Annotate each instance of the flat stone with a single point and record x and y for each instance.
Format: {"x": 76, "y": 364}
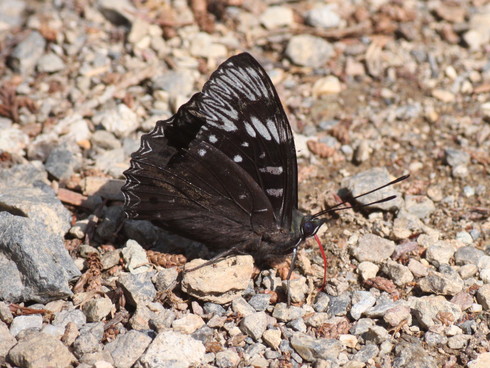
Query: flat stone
{"x": 97, "y": 309}
{"x": 373, "y": 248}
{"x": 310, "y": 51}
{"x": 188, "y": 324}
{"x": 21, "y": 323}
{"x": 173, "y": 349}
{"x": 397, "y": 272}
{"x": 220, "y": 282}
{"x": 483, "y": 296}
{"x": 368, "y": 180}
{"x": 254, "y": 324}
{"x": 276, "y": 17}
{"x": 42, "y": 268}
{"x": 50, "y": 63}
{"x": 127, "y": 348}
{"x": 427, "y": 308}
{"x": 26, "y": 54}
{"x": 311, "y": 349}
{"x": 41, "y": 350}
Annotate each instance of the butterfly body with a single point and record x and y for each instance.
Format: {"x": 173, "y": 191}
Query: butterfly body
{"x": 223, "y": 169}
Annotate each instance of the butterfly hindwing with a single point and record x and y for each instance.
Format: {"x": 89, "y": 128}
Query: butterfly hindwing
{"x": 223, "y": 169}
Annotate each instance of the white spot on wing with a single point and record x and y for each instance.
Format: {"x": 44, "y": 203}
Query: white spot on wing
{"x": 272, "y": 128}
{"x": 213, "y": 139}
{"x": 201, "y": 152}
{"x": 273, "y": 170}
{"x": 275, "y": 192}
{"x": 237, "y": 158}
{"x": 250, "y": 130}
{"x": 261, "y": 129}
{"x": 245, "y": 144}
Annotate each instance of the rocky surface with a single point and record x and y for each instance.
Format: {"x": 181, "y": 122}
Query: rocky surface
{"x": 373, "y": 90}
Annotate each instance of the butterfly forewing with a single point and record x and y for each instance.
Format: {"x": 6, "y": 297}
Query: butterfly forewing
{"x": 222, "y": 170}
{"x": 246, "y": 121}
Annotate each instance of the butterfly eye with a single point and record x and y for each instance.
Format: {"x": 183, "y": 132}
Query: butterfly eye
{"x": 308, "y": 229}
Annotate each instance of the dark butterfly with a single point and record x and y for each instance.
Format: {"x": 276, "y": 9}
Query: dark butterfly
{"x": 223, "y": 169}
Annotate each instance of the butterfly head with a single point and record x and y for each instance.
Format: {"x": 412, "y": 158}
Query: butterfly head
{"x": 310, "y": 226}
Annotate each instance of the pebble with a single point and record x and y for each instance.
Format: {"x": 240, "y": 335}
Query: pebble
{"x": 440, "y": 253}
{"x": 50, "y": 63}
{"x": 323, "y": 16}
{"x": 233, "y": 273}
{"x": 368, "y": 180}
{"x": 419, "y": 206}
{"x": 188, "y": 324}
{"x": 373, "y": 248}
{"x": 367, "y": 270}
{"x": 361, "y": 302}
{"x": 399, "y": 273}
{"x": 272, "y": 337}
{"x": 97, "y": 309}
{"x": 254, "y": 325}
{"x": 40, "y": 350}
{"x": 311, "y": 349}
{"x": 309, "y": 51}
{"x": 26, "y": 54}
{"x": 426, "y": 309}
{"x": 483, "y": 296}
{"x": 170, "y": 348}
{"x": 276, "y": 17}
{"x": 326, "y": 86}
{"x": 127, "y": 348}
{"x": 446, "y": 282}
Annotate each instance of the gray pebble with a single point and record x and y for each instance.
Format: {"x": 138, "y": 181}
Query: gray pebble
{"x": 50, "y": 63}
{"x": 373, "y": 248}
{"x": 310, "y": 51}
{"x": 27, "y": 53}
{"x": 254, "y": 324}
{"x": 323, "y": 17}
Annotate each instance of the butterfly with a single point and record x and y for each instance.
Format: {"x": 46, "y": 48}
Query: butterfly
{"x": 223, "y": 170}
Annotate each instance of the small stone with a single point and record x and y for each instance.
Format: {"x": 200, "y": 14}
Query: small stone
{"x": 483, "y": 296}
{"x": 456, "y": 157}
{"x": 50, "y": 63}
{"x": 338, "y": 305}
{"x": 323, "y": 16}
{"x": 367, "y": 270}
{"x": 468, "y": 271}
{"x": 468, "y": 255}
{"x": 446, "y": 282}
{"x": 397, "y": 272}
{"x": 97, "y": 309}
{"x": 464, "y": 237}
{"x": 297, "y": 289}
{"x": 417, "y": 268}
{"x": 361, "y": 302}
{"x": 376, "y": 334}
{"x": 440, "y": 253}
{"x": 368, "y": 180}
{"x": 326, "y": 86}
{"x": 254, "y": 324}
{"x": 62, "y": 162}
{"x": 127, "y": 348}
{"x": 227, "y": 359}
{"x": 311, "y": 349}
{"x": 396, "y": 315}
{"x": 27, "y": 53}
{"x": 284, "y": 313}
{"x": 272, "y": 338}
{"x": 366, "y": 353}
{"x": 443, "y": 95}
{"x": 13, "y": 140}
{"x": 349, "y": 341}
{"x": 419, "y": 206}
{"x": 188, "y": 324}
{"x": 276, "y": 17}
{"x": 260, "y": 302}
{"x": 138, "y": 288}
{"x": 310, "y": 51}
{"x": 21, "y": 323}
{"x": 41, "y": 350}
{"x": 481, "y": 361}
{"x": 458, "y": 342}
{"x": 463, "y": 299}
{"x": 135, "y": 257}
{"x": 234, "y": 274}
{"x": 204, "y": 45}
{"x": 173, "y": 349}
{"x": 165, "y": 278}
{"x": 373, "y": 248}
{"x": 427, "y": 309}
{"x": 121, "y": 120}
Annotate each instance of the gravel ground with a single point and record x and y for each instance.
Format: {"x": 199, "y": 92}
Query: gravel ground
{"x": 373, "y": 90}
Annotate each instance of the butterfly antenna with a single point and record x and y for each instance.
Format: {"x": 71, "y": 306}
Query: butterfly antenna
{"x": 338, "y": 208}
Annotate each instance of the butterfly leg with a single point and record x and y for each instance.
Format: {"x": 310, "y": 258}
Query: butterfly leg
{"x": 288, "y": 279}
{"x": 217, "y": 258}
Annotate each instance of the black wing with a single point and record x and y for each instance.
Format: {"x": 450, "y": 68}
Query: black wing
{"x": 224, "y": 163}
